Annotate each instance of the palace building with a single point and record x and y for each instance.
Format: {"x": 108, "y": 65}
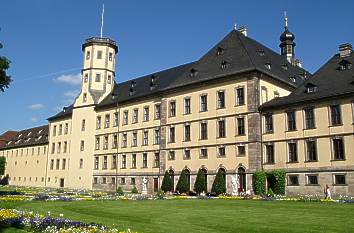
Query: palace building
{"x": 241, "y": 107}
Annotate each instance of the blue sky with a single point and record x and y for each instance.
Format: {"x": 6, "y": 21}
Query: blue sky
{"x": 43, "y": 41}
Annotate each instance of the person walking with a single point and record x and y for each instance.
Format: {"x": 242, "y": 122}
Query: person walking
{"x": 327, "y": 192}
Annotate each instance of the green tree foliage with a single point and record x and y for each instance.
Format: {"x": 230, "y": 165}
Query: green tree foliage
{"x": 120, "y": 191}
{"x": 134, "y": 190}
{"x": 2, "y": 165}
{"x": 166, "y": 185}
{"x": 5, "y": 79}
{"x": 279, "y": 177}
{"x": 200, "y": 184}
{"x": 259, "y": 182}
{"x": 219, "y": 184}
{"x": 182, "y": 184}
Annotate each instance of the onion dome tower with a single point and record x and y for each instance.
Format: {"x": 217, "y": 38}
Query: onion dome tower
{"x": 287, "y": 44}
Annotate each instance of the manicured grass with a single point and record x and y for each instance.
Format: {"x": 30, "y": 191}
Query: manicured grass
{"x": 184, "y": 216}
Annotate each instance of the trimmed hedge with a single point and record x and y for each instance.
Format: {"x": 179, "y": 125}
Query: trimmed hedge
{"x": 2, "y": 165}
{"x": 166, "y": 185}
{"x": 200, "y": 184}
{"x": 259, "y": 182}
{"x": 219, "y": 185}
{"x": 182, "y": 184}
{"x": 279, "y": 177}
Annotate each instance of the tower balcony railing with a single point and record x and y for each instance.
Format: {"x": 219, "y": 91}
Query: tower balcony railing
{"x": 100, "y": 39}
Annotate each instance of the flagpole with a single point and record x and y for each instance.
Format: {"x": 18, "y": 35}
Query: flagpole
{"x": 102, "y": 20}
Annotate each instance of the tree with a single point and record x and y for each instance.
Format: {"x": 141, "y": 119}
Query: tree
{"x": 219, "y": 185}
{"x": 200, "y": 184}
{"x": 166, "y": 185}
{"x": 182, "y": 184}
{"x": 2, "y": 165}
{"x": 259, "y": 182}
{"x": 5, "y": 79}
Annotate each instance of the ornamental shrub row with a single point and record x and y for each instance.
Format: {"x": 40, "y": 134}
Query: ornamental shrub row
{"x": 276, "y": 179}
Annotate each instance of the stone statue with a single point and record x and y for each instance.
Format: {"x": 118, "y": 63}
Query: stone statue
{"x": 144, "y": 183}
{"x": 235, "y": 184}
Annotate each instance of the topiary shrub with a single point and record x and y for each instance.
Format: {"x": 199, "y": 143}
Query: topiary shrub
{"x": 279, "y": 177}
{"x": 259, "y": 182}
{"x": 160, "y": 194}
{"x": 200, "y": 184}
{"x": 134, "y": 190}
{"x": 2, "y": 165}
{"x": 4, "y": 180}
{"x": 182, "y": 184}
{"x": 166, "y": 185}
{"x": 120, "y": 191}
{"x": 219, "y": 185}
{"x": 270, "y": 192}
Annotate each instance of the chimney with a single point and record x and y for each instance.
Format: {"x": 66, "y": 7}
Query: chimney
{"x": 345, "y": 50}
{"x": 243, "y": 30}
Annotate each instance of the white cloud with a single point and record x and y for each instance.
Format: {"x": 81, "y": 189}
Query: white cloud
{"x": 36, "y": 106}
{"x": 34, "y": 119}
{"x": 72, "y": 79}
{"x": 72, "y": 94}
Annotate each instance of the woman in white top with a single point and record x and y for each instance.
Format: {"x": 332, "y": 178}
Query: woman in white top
{"x": 327, "y": 192}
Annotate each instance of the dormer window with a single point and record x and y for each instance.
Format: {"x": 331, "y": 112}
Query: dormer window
{"x": 193, "y": 72}
{"x": 28, "y": 139}
{"x": 284, "y": 66}
{"x": 293, "y": 79}
{"x": 219, "y": 51}
{"x": 20, "y": 135}
{"x": 64, "y": 110}
{"x": 268, "y": 65}
{"x": 153, "y": 81}
{"x": 29, "y": 134}
{"x": 261, "y": 53}
{"x": 311, "y": 88}
{"x": 132, "y": 88}
{"x": 344, "y": 65}
{"x": 224, "y": 65}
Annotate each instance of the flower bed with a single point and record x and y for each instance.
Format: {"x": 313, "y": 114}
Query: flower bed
{"x": 47, "y": 224}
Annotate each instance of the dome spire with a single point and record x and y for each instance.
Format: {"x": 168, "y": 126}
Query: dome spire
{"x": 287, "y": 44}
{"x": 285, "y": 20}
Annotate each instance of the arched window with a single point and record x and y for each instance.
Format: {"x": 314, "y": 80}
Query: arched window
{"x": 242, "y": 176}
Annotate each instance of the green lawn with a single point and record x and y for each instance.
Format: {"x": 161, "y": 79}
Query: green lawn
{"x": 186, "y": 216}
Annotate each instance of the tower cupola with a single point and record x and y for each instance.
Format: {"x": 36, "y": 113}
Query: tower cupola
{"x": 287, "y": 44}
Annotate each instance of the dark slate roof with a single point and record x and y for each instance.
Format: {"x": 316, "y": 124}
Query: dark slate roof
{"x": 330, "y": 82}
{"x": 238, "y": 53}
{"x": 28, "y": 137}
{"x": 66, "y": 112}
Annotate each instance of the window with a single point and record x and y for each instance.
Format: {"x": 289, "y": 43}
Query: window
{"x": 116, "y": 119}
{"x": 204, "y": 153}
{"x": 98, "y": 122}
{"x": 203, "y": 131}
{"x": 311, "y": 150}
{"x": 54, "y": 130}
{"x": 105, "y": 161}
{"x": 107, "y": 121}
{"x": 268, "y": 123}
{"x": 133, "y": 160}
{"x": 124, "y": 161}
{"x": 110, "y": 56}
{"x": 98, "y": 77}
{"x": 99, "y": 54}
{"x": 86, "y": 78}
{"x": 104, "y": 180}
{"x": 145, "y": 161}
{"x": 338, "y": 149}
{"x": 187, "y": 105}
{"x": 312, "y": 179}
{"x": 240, "y": 126}
{"x": 53, "y": 149}
{"x": 221, "y": 99}
{"x": 63, "y": 165}
{"x": 336, "y": 118}
{"x": 187, "y": 132}
{"x": 172, "y": 108}
{"x": 109, "y": 79}
{"x": 171, "y": 155}
{"x": 339, "y": 179}
{"x": 157, "y": 111}
{"x": 292, "y": 152}
{"x": 221, "y": 129}
{"x": 132, "y": 181}
{"x": 145, "y": 137}
{"x": 60, "y": 129}
{"x": 122, "y": 180}
{"x": 125, "y": 117}
{"x": 88, "y": 55}
{"x": 113, "y": 180}
{"x": 115, "y": 141}
{"x": 83, "y": 125}
{"x": 97, "y": 145}
{"x": 276, "y": 94}
{"x": 157, "y": 136}
{"x": 51, "y": 164}
{"x": 221, "y": 151}
{"x": 81, "y": 163}
{"x": 172, "y": 134}
{"x": 66, "y": 128}
{"x": 241, "y": 150}
{"x": 105, "y": 142}
{"x": 293, "y": 180}
{"x": 124, "y": 139}
{"x": 58, "y": 148}
{"x": 82, "y": 145}
{"x": 57, "y": 164}
{"x": 291, "y": 120}
{"x": 157, "y": 159}
{"x": 269, "y": 154}
{"x": 84, "y": 98}
{"x": 65, "y": 147}
{"x": 146, "y": 113}
{"x": 135, "y": 115}
{"x": 203, "y": 103}
{"x": 95, "y": 180}
{"x": 134, "y": 139}
{"x": 114, "y": 162}
{"x": 187, "y": 154}
{"x": 240, "y": 96}
{"x": 309, "y": 118}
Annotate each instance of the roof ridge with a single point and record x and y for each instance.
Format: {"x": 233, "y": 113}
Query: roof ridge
{"x": 244, "y": 47}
